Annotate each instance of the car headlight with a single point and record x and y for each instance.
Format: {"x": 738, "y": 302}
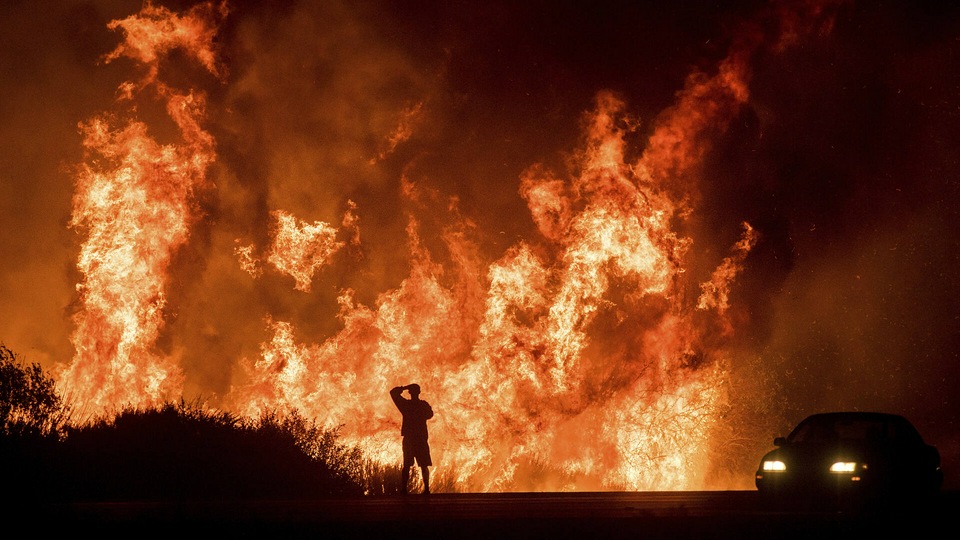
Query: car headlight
{"x": 844, "y": 467}
{"x": 774, "y": 466}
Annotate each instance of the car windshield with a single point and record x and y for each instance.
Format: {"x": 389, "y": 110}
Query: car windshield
{"x": 831, "y": 428}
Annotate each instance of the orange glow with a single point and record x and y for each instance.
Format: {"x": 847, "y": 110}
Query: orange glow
{"x": 135, "y": 203}
{"x": 156, "y": 31}
{"x": 300, "y": 249}
{"x": 527, "y": 379}
{"x": 574, "y": 360}
{"x": 716, "y": 292}
{"x": 404, "y": 130}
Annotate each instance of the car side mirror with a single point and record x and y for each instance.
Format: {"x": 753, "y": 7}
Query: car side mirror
{"x": 779, "y": 441}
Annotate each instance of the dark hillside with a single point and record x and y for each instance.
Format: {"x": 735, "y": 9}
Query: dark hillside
{"x": 181, "y": 452}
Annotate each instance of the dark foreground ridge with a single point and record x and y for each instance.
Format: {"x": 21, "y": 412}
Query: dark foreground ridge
{"x": 710, "y": 514}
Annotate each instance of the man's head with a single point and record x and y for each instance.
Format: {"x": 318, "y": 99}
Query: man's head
{"x": 414, "y": 390}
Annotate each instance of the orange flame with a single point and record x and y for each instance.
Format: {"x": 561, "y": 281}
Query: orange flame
{"x": 520, "y": 374}
{"x": 574, "y": 361}
{"x": 716, "y": 292}
{"x": 155, "y": 31}
{"x": 404, "y": 130}
{"x": 300, "y": 248}
{"x": 136, "y": 206}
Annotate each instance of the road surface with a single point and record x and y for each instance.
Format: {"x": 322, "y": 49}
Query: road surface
{"x": 704, "y": 514}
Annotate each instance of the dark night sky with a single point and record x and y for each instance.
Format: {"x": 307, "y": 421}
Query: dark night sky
{"x": 845, "y": 158}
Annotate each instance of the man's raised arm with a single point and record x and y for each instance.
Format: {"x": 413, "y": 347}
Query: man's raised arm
{"x": 395, "y": 394}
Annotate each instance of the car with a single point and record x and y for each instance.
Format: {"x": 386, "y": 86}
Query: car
{"x": 850, "y": 457}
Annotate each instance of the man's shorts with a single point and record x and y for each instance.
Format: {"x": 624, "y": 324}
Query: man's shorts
{"x": 416, "y": 450}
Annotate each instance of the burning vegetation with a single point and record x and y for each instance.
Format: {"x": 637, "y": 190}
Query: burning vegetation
{"x": 594, "y": 353}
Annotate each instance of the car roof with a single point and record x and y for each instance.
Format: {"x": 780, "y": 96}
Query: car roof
{"x": 856, "y": 415}
{"x": 904, "y": 428}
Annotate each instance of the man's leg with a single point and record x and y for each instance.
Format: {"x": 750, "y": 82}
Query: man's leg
{"x": 404, "y": 479}
{"x": 425, "y": 471}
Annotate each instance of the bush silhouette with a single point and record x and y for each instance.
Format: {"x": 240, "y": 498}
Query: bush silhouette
{"x": 29, "y": 403}
{"x": 32, "y": 416}
{"x": 180, "y": 451}
{"x": 176, "y": 451}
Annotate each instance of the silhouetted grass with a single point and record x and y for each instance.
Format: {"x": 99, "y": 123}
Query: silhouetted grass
{"x": 176, "y": 451}
{"x": 181, "y": 451}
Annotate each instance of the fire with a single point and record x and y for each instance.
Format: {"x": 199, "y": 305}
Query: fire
{"x": 404, "y": 130}
{"x": 534, "y": 384}
{"x": 299, "y": 248}
{"x": 135, "y": 201}
{"x": 716, "y": 292}
{"x": 156, "y": 31}
{"x": 575, "y": 360}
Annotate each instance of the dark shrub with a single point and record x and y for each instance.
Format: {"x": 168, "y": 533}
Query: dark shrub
{"x": 182, "y": 451}
{"x": 32, "y": 416}
{"x": 173, "y": 452}
{"x": 29, "y": 403}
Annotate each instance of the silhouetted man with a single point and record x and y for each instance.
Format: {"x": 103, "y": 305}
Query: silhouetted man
{"x": 415, "y": 413}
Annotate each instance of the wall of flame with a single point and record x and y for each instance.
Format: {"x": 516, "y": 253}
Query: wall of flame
{"x": 270, "y": 214}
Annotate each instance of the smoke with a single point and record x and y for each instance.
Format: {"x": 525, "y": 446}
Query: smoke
{"x": 46, "y": 90}
{"x": 417, "y": 139}
{"x": 842, "y": 160}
